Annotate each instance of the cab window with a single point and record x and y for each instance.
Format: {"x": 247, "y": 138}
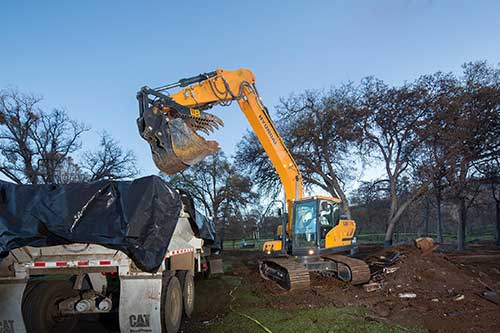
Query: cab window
{"x": 305, "y": 224}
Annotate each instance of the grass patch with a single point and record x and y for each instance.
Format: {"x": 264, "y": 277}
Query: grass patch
{"x": 244, "y": 295}
{"x": 327, "y": 319}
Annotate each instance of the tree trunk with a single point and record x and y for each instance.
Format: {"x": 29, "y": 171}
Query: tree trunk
{"x": 462, "y": 225}
{"x": 344, "y": 204}
{"x": 440, "y": 238}
{"x": 426, "y": 217}
{"x": 346, "y": 210}
{"x": 497, "y": 211}
{"x": 389, "y": 233}
{"x": 497, "y": 205}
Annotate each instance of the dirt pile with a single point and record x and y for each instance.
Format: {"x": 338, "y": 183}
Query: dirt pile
{"x": 432, "y": 276}
{"x": 430, "y": 290}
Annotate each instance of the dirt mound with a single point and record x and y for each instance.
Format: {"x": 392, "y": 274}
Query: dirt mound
{"x": 429, "y": 290}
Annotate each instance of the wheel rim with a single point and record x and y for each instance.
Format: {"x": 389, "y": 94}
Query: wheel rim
{"x": 176, "y": 301}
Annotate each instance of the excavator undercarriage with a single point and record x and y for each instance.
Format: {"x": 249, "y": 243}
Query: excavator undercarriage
{"x": 292, "y": 275}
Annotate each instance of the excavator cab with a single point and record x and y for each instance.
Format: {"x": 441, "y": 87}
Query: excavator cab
{"x": 318, "y": 227}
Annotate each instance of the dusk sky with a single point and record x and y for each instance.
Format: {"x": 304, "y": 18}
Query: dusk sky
{"x": 91, "y": 57}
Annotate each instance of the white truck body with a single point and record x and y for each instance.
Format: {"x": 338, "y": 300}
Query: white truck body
{"x": 140, "y": 292}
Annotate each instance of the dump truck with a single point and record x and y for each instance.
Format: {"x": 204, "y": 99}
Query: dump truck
{"x": 66, "y": 261}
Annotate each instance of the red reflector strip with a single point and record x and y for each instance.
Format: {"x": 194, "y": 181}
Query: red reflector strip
{"x": 39, "y": 264}
{"x": 61, "y": 263}
{"x": 83, "y": 263}
{"x": 180, "y": 251}
{"x": 105, "y": 262}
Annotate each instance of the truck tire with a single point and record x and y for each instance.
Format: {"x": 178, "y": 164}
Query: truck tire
{"x": 40, "y": 311}
{"x": 171, "y": 304}
{"x": 187, "y": 283}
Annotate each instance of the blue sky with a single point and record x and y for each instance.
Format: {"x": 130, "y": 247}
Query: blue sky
{"x": 91, "y": 57}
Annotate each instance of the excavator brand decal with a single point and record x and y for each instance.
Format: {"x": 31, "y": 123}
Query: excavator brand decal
{"x": 273, "y": 139}
{"x": 140, "y": 320}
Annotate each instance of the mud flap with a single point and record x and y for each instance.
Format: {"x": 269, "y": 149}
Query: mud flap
{"x": 144, "y": 315}
{"x": 216, "y": 266}
{"x": 11, "y": 298}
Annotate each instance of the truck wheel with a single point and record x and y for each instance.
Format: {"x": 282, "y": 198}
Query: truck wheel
{"x": 187, "y": 283}
{"x": 40, "y": 310}
{"x": 171, "y": 305}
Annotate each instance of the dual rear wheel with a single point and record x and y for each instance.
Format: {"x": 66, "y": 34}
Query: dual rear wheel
{"x": 177, "y": 299}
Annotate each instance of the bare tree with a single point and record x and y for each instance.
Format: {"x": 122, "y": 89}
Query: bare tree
{"x": 110, "y": 161}
{"x": 317, "y": 128}
{"x": 473, "y": 135}
{"x": 70, "y": 172}
{"x": 464, "y": 131}
{"x": 34, "y": 144}
{"x": 491, "y": 172}
{"x": 392, "y": 121}
{"x": 215, "y": 184}
{"x": 441, "y": 90}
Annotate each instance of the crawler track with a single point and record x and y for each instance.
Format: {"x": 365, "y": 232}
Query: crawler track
{"x": 289, "y": 274}
{"x": 350, "y": 269}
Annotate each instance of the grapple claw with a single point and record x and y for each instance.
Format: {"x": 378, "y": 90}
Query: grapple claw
{"x": 174, "y": 143}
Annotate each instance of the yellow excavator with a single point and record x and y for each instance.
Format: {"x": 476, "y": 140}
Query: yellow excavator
{"x": 313, "y": 231}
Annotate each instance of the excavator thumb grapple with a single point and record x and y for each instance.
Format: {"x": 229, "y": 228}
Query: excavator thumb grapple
{"x": 171, "y": 131}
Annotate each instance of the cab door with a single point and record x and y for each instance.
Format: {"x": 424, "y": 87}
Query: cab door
{"x": 329, "y": 216}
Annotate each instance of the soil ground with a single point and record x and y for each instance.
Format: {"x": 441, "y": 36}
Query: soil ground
{"x": 447, "y": 285}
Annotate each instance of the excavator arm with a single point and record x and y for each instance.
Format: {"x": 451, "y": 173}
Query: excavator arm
{"x": 171, "y": 122}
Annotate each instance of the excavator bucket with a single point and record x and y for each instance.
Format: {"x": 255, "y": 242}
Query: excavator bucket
{"x": 174, "y": 143}
{"x": 175, "y": 147}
